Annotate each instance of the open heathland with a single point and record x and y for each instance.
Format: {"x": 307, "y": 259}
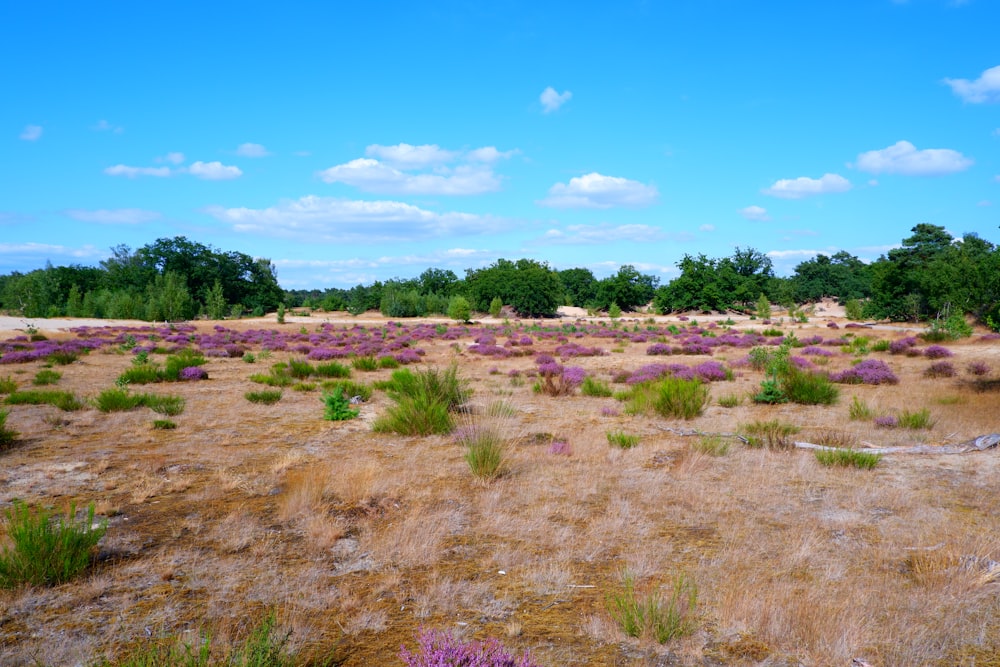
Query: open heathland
{"x": 709, "y": 540}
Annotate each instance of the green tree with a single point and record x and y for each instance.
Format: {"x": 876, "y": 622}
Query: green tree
{"x": 459, "y": 309}
{"x": 579, "y": 286}
{"x": 628, "y": 288}
{"x": 531, "y": 288}
{"x": 168, "y": 298}
{"x": 215, "y": 302}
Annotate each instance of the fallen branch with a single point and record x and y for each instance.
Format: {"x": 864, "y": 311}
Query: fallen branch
{"x": 979, "y": 444}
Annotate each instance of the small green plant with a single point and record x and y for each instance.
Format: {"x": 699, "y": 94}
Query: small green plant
{"x": 860, "y": 410}
{"x": 337, "y": 406}
{"x": 847, "y": 458}
{"x": 180, "y": 360}
{"x": 881, "y": 345}
{"x": 163, "y": 425}
{"x": 300, "y": 369}
{"x": 663, "y": 620}
{"x": 164, "y": 405}
{"x": 484, "y": 452}
{"x": 763, "y": 307}
{"x": 772, "y": 434}
{"x": 364, "y": 364}
{"x": 281, "y": 313}
{"x": 854, "y": 309}
{"x": 388, "y": 362}
{"x": 46, "y": 377}
{"x": 8, "y": 385}
{"x": 63, "y": 357}
{"x": 680, "y": 399}
{"x": 63, "y": 400}
{"x": 46, "y": 552}
{"x": 459, "y": 309}
{"x": 303, "y": 386}
{"x": 808, "y": 388}
{"x": 713, "y": 445}
{"x": 264, "y": 397}
{"x": 142, "y": 374}
{"x": 770, "y": 393}
{"x": 917, "y": 419}
{"x": 350, "y": 388}
{"x": 7, "y": 436}
{"x": 614, "y": 311}
{"x": 118, "y": 400}
{"x": 593, "y": 387}
{"x": 729, "y": 400}
{"x": 249, "y": 357}
{"x": 128, "y": 343}
{"x": 622, "y": 440}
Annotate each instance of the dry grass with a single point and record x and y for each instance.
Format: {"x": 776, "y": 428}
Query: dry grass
{"x": 357, "y": 539}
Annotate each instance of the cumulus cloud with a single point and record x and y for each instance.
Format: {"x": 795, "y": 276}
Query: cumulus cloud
{"x": 172, "y": 158}
{"x": 985, "y": 89}
{"x": 214, "y": 171}
{"x": 603, "y": 233}
{"x": 707, "y": 228}
{"x": 551, "y": 100}
{"x": 252, "y": 150}
{"x": 490, "y": 154}
{"x": 803, "y": 186}
{"x": 31, "y": 133}
{"x": 598, "y": 191}
{"x": 46, "y": 249}
{"x": 117, "y": 216}
{"x": 904, "y": 158}
{"x": 135, "y": 172}
{"x": 757, "y": 213}
{"x": 329, "y": 219}
{"x": 406, "y": 156}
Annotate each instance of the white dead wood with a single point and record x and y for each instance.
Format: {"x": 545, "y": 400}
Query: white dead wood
{"x": 978, "y": 444}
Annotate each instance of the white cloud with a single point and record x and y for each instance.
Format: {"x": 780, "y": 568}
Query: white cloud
{"x": 118, "y": 216}
{"x": 373, "y": 176}
{"x": 214, "y": 171}
{"x": 43, "y": 249}
{"x": 551, "y": 100}
{"x": 985, "y": 89}
{"x": 707, "y": 228}
{"x": 598, "y": 191}
{"x": 172, "y": 158}
{"x": 405, "y": 156}
{"x": 757, "y": 213}
{"x": 797, "y": 188}
{"x": 252, "y": 150}
{"x": 105, "y": 126}
{"x": 605, "y": 233}
{"x": 904, "y": 158}
{"x": 31, "y": 133}
{"x": 796, "y": 254}
{"x": 490, "y": 154}
{"x": 133, "y": 172}
{"x": 328, "y": 219}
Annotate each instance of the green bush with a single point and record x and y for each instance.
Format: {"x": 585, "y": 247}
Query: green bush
{"x": 118, "y": 400}
{"x": 164, "y": 425}
{"x": 622, "y": 440}
{"x": 680, "y": 399}
{"x": 459, "y": 309}
{"x": 350, "y": 388}
{"x": 860, "y": 411}
{"x": 143, "y": 374}
{"x": 46, "y": 377}
{"x": 7, "y": 436}
{"x": 593, "y": 387}
{"x": 63, "y": 400}
{"x": 663, "y": 620}
{"x": 485, "y": 453}
{"x": 249, "y": 357}
{"x": 264, "y": 397}
{"x": 415, "y": 415}
{"x": 730, "y": 400}
{"x": 337, "y": 406}
{"x": 364, "y": 364}
{"x": 8, "y": 385}
{"x": 63, "y": 358}
{"x": 772, "y": 434}
{"x": 918, "y": 419}
{"x": 847, "y": 458}
{"x": 496, "y": 306}
{"x": 808, "y": 388}
{"x": 300, "y": 369}
{"x": 47, "y": 552}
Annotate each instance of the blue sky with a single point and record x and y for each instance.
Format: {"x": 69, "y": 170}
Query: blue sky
{"x": 349, "y": 142}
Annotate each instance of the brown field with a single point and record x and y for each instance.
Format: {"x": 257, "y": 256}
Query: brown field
{"x": 357, "y": 539}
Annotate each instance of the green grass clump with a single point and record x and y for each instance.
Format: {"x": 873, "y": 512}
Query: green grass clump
{"x": 680, "y": 399}
{"x": 303, "y": 386}
{"x": 860, "y": 410}
{"x": 847, "y": 458}
{"x": 772, "y": 434}
{"x": 485, "y": 450}
{"x": 713, "y": 445}
{"x": 141, "y": 374}
{"x": 164, "y": 405}
{"x": 415, "y": 415}
{"x": 118, "y": 400}
{"x": 622, "y": 440}
{"x": 264, "y": 397}
{"x": 8, "y": 385}
{"x": 300, "y": 369}
{"x": 350, "y": 388}
{"x": 365, "y": 364}
{"x": 63, "y": 358}
{"x": 337, "y": 407}
{"x": 593, "y": 387}
{"x": 276, "y": 378}
{"x": 180, "y": 360}
{"x": 249, "y": 358}
{"x": 809, "y": 388}
{"x": 662, "y": 620}
{"x": 164, "y": 425}
{"x": 46, "y": 377}
{"x": 7, "y": 436}
{"x": 63, "y": 400}
{"x": 333, "y": 369}
{"x": 388, "y": 362}
{"x": 916, "y": 420}
{"x": 729, "y": 400}
{"x": 880, "y": 346}
{"x": 46, "y": 552}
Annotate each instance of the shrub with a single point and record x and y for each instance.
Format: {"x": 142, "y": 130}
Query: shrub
{"x": 916, "y": 420}
{"x": 445, "y": 386}
{"x": 772, "y": 434}
{"x": 940, "y": 369}
{"x": 249, "y": 357}
{"x": 459, "y": 309}
{"x": 365, "y": 364}
{"x": 809, "y": 388}
{"x": 770, "y": 393}
{"x": 337, "y": 407}
{"x": 976, "y": 368}
{"x": 622, "y": 440}
{"x": 388, "y": 362}
{"x": 415, "y": 415}
{"x": 881, "y": 345}
{"x": 886, "y": 421}
{"x": 264, "y": 397}
{"x": 661, "y": 619}
{"x": 63, "y": 400}
{"x": 164, "y": 425}
{"x": 496, "y": 306}
{"x": 142, "y": 374}
{"x": 680, "y": 399}
{"x": 937, "y": 352}
{"x": 614, "y": 311}
{"x": 7, "y": 436}
{"x": 848, "y": 457}
{"x": 46, "y": 377}
{"x": 47, "y": 552}
{"x": 8, "y": 385}
{"x": 439, "y": 649}
{"x": 859, "y": 410}
{"x": 593, "y": 387}
{"x": 192, "y": 374}
{"x": 869, "y": 371}
{"x": 117, "y": 400}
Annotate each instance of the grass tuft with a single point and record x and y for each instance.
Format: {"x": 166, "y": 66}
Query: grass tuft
{"x": 809, "y": 388}
{"x": 8, "y": 385}
{"x": 712, "y": 445}
{"x": 916, "y": 420}
{"x": 860, "y": 410}
{"x": 63, "y": 400}
{"x": 7, "y": 436}
{"x": 771, "y": 434}
{"x": 593, "y": 387}
{"x": 163, "y": 425}
{"x": 847, "y": 458}
{"x": 622, "y": 440}
{"x": 337, "y": 407}
{"x": 46, "y": 377}
{"x": 663, "y": 620}
{"x": 264, "y": 397}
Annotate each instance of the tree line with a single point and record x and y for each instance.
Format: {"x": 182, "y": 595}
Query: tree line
{"x": 930, "y": 275}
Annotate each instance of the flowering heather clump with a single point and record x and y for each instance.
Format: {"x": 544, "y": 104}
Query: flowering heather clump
{"x": 869, "y": 371}
{"x": 513, "y": 373}
{"x": 818, "y": 351}
{"x": 940, "y": 369}
{"x": 561, "y": 448}
{"x": 696, "y": 348}
{"x": 608, "y": 411}
{"x": 886, "y": 421}
{"x": 192, "y": 373}
{"x": 901, "y": 345}
{"x": 577, "y": 350}
{"x": 407, "y": 356}
{"x": 652, "y": 372}
{"x": 544, "y": 358}
{"x": 659, "y": 348}
{"x": 938, "y": 352}
{"x": 832, "y": 325}
{"x": 490, "y": 350}
{"x": 990, "y": 336}
{"x": 802, "y": 363}
{"x": 978, "y": 368}
{"x": 711, "y": 371}
{"x": 439, "y": 649}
